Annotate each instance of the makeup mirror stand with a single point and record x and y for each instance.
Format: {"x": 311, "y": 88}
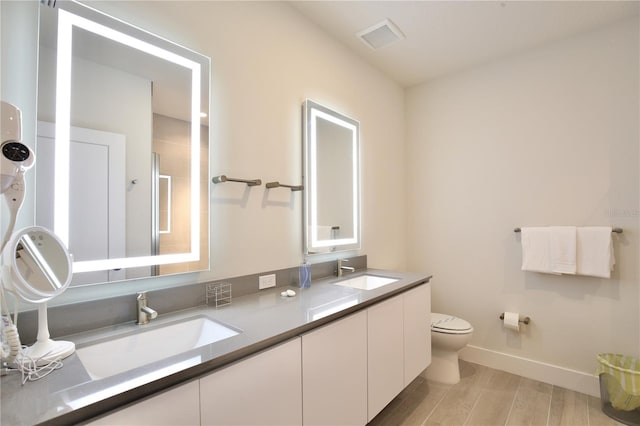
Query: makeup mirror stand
{"x": 46, "y": 350}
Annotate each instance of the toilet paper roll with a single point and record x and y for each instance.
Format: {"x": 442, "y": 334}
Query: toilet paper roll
{"x": 512, "y": 321}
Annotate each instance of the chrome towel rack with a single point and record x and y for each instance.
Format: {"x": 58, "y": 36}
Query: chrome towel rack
{"x": 282, "y": 185}
{"x": 224, "y": 178}
{"x": 616, "y": 230}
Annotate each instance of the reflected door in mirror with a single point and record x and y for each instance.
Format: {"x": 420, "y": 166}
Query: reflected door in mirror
{"x": 96, "y": 192}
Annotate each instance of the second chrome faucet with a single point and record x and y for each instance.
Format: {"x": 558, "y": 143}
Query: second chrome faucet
{"x": 341, "y": 268}
{"x": 145, "y": 313}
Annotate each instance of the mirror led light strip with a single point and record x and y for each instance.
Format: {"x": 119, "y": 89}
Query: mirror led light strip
{"x": 66, "y": 22}
{"x": 315, "y": 242}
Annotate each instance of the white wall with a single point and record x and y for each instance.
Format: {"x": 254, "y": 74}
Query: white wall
{"x": 266, "y": 59}
{"x": 18, "y": 73}
{"x": 546, "y": 137}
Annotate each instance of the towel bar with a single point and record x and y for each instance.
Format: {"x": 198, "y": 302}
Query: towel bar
{"x": 616, "y": 230}
{"x": 525, "y": 320}
{"x": 282, "y": 185}
{"x": 223, "y": 178}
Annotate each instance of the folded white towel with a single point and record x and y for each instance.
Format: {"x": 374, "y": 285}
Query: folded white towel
{"x": 594, "y": 252}
{"x": 535, "y": 249}
{"x": 562, "y": 249}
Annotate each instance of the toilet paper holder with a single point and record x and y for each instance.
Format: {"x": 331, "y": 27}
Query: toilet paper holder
{"x": 525, "y": 320}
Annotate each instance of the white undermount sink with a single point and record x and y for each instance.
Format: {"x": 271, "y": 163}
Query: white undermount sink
{"x": 121, "y": 354}
{"x": 366, "y": 282}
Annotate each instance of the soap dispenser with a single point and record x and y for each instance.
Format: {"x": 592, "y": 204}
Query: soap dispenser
{"x": 304, "y": 274}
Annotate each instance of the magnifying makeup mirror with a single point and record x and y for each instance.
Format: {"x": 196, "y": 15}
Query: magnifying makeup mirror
{"x": 36, "y": 268}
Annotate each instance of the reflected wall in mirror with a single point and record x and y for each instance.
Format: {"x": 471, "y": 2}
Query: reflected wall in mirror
{"x": 332, "y": 199}
{"x": 118, "y": 108}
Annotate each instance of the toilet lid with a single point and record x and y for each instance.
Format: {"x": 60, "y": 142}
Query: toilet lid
{"x": 449, "y": 324}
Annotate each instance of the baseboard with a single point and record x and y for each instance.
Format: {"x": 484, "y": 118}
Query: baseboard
{"x": 543, "y": 372}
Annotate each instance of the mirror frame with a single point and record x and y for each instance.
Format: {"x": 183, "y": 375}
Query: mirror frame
{"x": 72, "y": 14}
{"x": 312, "y": 244}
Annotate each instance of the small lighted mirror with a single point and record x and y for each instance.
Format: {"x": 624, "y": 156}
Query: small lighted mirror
{"x": 114, "y": 99}
{"x": 332, "y": 198}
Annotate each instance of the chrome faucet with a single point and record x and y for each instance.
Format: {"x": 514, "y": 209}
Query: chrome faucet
{"x": 342, "y": 268}
{"x": 145, "y": 313}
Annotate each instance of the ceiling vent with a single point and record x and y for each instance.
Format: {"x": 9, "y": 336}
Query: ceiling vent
{"x": 380, "y": 35}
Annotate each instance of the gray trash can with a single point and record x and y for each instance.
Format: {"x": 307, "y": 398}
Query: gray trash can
{"x": 620, "y": 387}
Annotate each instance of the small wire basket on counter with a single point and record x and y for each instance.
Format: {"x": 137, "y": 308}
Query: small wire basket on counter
{"x": 218, "y": 294}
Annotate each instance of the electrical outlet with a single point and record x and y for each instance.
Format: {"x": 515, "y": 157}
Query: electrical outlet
{"x": 266, "y": 281}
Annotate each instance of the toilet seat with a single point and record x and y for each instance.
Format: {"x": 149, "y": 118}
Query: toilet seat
{"x": 449, "y": 324}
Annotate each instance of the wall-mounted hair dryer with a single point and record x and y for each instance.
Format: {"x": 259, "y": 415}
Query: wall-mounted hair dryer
{"x": 11, "y": 122}
{"x": 15, "y": 158}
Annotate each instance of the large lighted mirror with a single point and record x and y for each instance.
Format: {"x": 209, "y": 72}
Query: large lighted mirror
{"x": 332, "y": 198}
{"x": 121, "y": 112}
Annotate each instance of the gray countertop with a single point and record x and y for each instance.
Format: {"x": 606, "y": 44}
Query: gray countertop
{"x": 265, "y": 318}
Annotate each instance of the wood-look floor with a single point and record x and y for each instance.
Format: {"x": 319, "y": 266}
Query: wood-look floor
{"x": 488, "y": 397}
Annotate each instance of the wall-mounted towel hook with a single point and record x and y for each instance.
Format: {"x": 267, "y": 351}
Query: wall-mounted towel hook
{"x": 282, "y": 185}
{"x": 223, "y": 178}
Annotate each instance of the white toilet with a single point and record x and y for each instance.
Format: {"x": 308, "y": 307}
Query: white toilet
{"x": 449, "y": 334}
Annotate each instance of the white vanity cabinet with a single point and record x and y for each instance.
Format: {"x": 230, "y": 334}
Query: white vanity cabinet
{"x": 343, "y": 373}
{"x": 175, "y": 407}
{"x": 399, "y": 345}
{"x": 385, "y": 338}
{"x": 334, "y": 373}
{"x": 417, "y": 331}
{"x": 263, "y": 389}
{"x": 352, "y": 368}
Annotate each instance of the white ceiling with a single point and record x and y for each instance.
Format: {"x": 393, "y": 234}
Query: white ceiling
{"x": 444, "y": 37}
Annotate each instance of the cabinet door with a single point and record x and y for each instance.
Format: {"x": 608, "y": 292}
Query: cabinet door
{"x": 417, "y": 331}
{"x": 264, "y": 389}
{"x": 334, "y": 373}
{"x": 178, "y": 406}
{"x": 386, "y": 353}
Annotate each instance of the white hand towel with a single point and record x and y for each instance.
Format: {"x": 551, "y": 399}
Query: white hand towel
{"x": 595, "y": 251}
{"x": 562, "y": 249}
{"x": 535, "y": 249}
